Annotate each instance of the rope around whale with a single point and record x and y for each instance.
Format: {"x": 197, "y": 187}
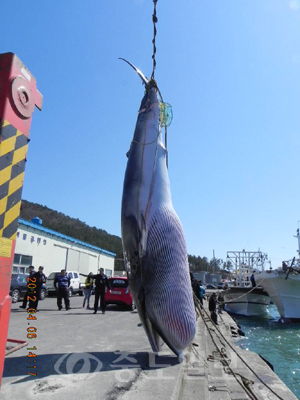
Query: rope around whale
{"x": 154, "y": 20}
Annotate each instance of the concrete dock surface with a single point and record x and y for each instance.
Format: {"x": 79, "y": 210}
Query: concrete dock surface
{"x": 83, "y": 355}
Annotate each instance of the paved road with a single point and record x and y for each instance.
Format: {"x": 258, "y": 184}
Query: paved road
{"x": 78, "y": 354}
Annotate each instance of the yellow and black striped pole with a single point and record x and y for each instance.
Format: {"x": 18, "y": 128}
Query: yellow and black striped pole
{"x": 18, "y": 98}
{"x": 13, "y": 150}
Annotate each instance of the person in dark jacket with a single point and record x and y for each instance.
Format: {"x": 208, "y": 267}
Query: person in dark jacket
{"x": 40, "y": 279}
{"x": 100, "y": 281}
{"x": 29, "y": 291}
{"x": 41, "y": 271}
{"x": 62, "y": 283}
{"x": 252, "y": 279}
{"x": 195, "y": 286}
{"x": 212, "y": 306}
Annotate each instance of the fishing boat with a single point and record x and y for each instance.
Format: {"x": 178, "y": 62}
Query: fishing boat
{"x": 283, "y": 286}
{"x": 247, "y": 301}
{"x": 242, "y": 298}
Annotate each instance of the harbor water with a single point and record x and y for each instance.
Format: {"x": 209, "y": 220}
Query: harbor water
{"x": 277, "y": 342}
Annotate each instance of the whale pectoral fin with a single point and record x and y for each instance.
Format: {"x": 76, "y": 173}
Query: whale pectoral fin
{"x": 153, "y": 336}
{"x": 157, "y": 338}
{"x": 144, "y": 237}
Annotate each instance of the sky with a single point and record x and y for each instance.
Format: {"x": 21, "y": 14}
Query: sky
{"x": 231, "y": 71}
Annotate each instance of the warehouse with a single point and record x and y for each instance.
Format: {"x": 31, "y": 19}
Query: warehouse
{"x": 37, "y": 245}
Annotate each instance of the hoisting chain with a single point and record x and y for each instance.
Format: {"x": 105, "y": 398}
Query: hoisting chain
{"x": 154, "y": 20}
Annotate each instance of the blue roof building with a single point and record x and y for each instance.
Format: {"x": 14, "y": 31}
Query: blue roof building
{"x": 37, "y": 245}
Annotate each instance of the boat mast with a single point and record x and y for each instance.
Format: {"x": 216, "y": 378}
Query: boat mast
{"x": 298, "y": 237}
{"x": 245, "y": 263}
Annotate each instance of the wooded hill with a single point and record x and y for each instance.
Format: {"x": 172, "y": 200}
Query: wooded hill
{"x": 98, "y": 237}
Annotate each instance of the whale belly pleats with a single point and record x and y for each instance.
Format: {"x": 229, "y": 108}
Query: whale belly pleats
{"x": 168, "y": 294}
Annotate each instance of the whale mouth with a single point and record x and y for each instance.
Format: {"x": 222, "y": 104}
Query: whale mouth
{"x": 139, "y": 72}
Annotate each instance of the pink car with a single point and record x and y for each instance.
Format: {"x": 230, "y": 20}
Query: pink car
{"x": 119, "y": 292}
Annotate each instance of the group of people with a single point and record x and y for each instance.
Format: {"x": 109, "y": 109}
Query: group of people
{"x": 101, "y": 282}
{"x": 34, "y": 286}
{"x": 199, "y": 291}
{"x": 62, "y": 284}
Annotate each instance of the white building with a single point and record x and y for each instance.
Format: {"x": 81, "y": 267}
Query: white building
{"x": 37, "y": 245}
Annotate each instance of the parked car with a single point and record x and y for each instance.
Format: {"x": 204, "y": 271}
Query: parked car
{"x": 75, "y": 285}
{"x": 210, "y": 286}
{"x": 223, "y": 285}
{"x": 18, "y": 287}
{"x": 119, "y": 292}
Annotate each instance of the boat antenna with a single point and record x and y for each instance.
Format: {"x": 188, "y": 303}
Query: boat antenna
{"x": 298, "y": 237}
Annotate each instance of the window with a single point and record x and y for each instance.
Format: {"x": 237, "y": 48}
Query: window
{"x": 21, "y": 263}
{"x": 26, "y": 260}
{"x": 75, "y": 275}
{"x": 71, "y": 275}
{"x": 118, "y": 283}
{"x": 17, "y": 259}
{"x": 21, "y": 279}
{"x": 53, "y": 275}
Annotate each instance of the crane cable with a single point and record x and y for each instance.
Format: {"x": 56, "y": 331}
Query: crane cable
{"x": 154, "y": 20}
{"x": 163, "y": 105}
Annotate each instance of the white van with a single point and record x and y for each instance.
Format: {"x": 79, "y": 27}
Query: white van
{"x": 75, "y": 285}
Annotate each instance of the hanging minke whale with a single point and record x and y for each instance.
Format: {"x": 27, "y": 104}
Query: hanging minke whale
{"x": 153, "y": 240}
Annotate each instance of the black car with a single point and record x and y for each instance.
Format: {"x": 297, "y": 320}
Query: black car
{"x": 18, "y": 287}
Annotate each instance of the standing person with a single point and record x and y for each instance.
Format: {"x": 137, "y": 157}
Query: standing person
{"x": 212, "y": 306}
{"x": 29, "y": 291}
{"x": 40, "y": 279}
{"x": 62, "y": 283}
{"x": 252, "y": 279}
{"x": 195, "y": 286}
{"x": 41, "y": 270}
{"x": 284, "y": 266}
{"x": 100, "y": 282}
{"x": 202, "y": 292}
{"x": 89, "y": 283}
{"x": 220, "y": 302}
